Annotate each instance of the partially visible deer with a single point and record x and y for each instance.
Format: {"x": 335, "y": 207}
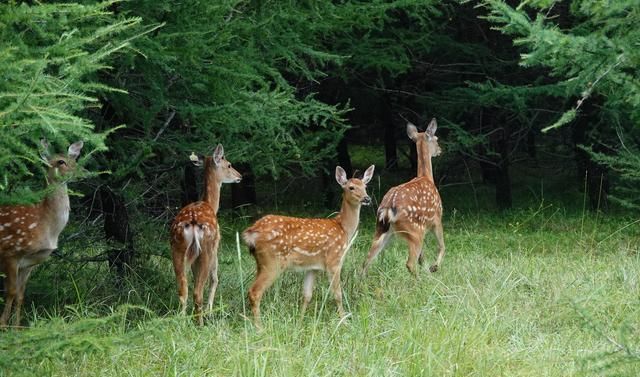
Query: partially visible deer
{"x": 195, "y": 233}
{"x": 29, "y": 233}
{"x": 279, "y": 243}
{"x": 414, "y": 207}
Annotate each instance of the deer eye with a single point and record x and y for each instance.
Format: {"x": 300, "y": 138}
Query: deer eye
{"x": 62, "y": 162}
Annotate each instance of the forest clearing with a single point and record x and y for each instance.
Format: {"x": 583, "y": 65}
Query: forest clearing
{"x": 302, "y": 188}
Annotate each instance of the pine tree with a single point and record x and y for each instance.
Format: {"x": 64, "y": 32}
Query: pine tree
{"x": 596, "y": 58}
{"x": 49, "y": 55}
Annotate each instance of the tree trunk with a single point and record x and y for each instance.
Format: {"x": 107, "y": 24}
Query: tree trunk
{"x": 531, "y": 144}
{"x": 390, "y": 150}
{"x": 328, "y": 186}
{"x": 598, "y": 186}
{"x": 595, "y": 174}
{"x": 503, "y": 180}
{"x": 117, "y": 230}
{"x": 189, "y": 185}
{"x": 496, "y": 168}
{"x": 244, "y": 193}
{"x": 343, "y": 156}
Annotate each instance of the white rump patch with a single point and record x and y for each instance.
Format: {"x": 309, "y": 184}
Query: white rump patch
{"x": 193, "y": 235}
{"x": 250, "y": 238}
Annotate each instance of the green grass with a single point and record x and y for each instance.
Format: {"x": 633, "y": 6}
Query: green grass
{"x": 536, "y": 292}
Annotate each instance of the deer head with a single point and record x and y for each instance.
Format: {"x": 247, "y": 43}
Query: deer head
{"x": 427, "y": 138}
{"x": 354, "y": 189}
{"x": 60, "y": 166}
{"x": 221, "y": 168}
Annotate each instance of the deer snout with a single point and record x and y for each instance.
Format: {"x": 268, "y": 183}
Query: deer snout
{"x": 238, "y": 179}
{"x": 366, "y": 200}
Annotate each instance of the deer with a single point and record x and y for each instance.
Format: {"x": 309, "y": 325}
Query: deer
{"x": 412, "y": 208}
{"x": 195, "y": 233}
{"x": 29, "y": 233}
{"x": 279, "y": 243}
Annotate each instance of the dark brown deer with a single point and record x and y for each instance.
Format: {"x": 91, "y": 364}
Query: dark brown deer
{"x": 279, "y": 243}
{"x": 414, "y": 207}
{"x": 29, "y": 233}
{"x": 195, "y": 234}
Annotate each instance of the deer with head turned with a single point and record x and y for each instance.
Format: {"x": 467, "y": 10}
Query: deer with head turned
{"x": 414, "y": 207}
{"x": 279, "y": 243}
{"x": 195, "y": 234}
{"x": 29, "y": 233}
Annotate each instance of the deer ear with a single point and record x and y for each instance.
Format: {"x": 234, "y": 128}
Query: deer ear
{"x": 74, "y": 149}
{"x": 431, "y": 129}
{"x": 412, "y": 131}
{"x": 341, "y": 176}
{"x": 45, "y": 154}
{"x": 218, "y": 154}
{"x": 368, "y": 174}
{"x": 196, "y": 160}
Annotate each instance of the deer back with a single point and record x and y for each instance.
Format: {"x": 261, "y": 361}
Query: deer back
{"x": 298, "y": 242}
{"x": 416, "y": 203}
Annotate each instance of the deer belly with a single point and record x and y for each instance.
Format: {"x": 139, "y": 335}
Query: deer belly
{"x": 304, "y": 260}
{"x": 307, "y": 267}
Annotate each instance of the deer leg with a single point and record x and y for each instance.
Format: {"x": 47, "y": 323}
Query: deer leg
{"x": 179, "y": 266}
{"x": 439, "y": 233}
{"x": 23, "y": 276}
{"x": 213, "y": 276}
{"x": 201, "y": 276}
{"x": 336, "y": 288}
{"x": 380, "y": 240}
{"x": 10, "y": 286}
{"x": 307, "y": 290}
{"x": 265, "y": 278}
{"x": 415, "y": 246}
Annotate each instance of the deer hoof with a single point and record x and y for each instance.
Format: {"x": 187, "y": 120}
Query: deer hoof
{"x": 433, "y": 268}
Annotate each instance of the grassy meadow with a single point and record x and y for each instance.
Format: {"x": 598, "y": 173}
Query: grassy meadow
{"x": 537, "y": 291}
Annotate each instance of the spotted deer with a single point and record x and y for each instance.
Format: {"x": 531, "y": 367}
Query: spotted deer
{"x": 279, "y": 243}
{"x": 195, "y": 233}
{"x": 414, "y": 207}
{"x": 29, "y": 233}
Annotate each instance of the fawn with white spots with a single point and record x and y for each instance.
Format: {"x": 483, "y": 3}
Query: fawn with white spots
{"x": 279, "y": 243}
{"x": 29, "y": 233}
{"x": 414, "y": 207}
{"x": 195, "y": 234}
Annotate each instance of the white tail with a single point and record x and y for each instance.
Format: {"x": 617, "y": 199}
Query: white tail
{"x": 279, "y": 243}
{"x": 29, "y": 233}
{"x": 195, "y": 234}
{"x": 193, "y": 237}
{"x": 414, "y": 207}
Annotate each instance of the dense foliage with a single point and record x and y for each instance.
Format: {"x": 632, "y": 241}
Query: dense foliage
{"x": 280, "y": 83}
{"x": 593, "y": 50}
{"x": 49, "y": 56}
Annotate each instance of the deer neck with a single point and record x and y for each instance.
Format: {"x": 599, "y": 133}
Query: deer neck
{"x": 349, "y": 217}
{"x": 212, "y": 185}
{"x": 56, "y": 207}
{"x": 424, "y": 160}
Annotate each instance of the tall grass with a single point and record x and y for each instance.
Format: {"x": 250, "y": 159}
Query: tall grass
{"x": 537, "y": 292}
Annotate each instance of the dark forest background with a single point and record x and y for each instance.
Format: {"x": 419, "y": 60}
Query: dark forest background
{"x": 534, "y": 100}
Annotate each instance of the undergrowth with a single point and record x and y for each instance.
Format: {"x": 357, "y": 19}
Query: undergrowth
{"x": 534, "y": 292}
